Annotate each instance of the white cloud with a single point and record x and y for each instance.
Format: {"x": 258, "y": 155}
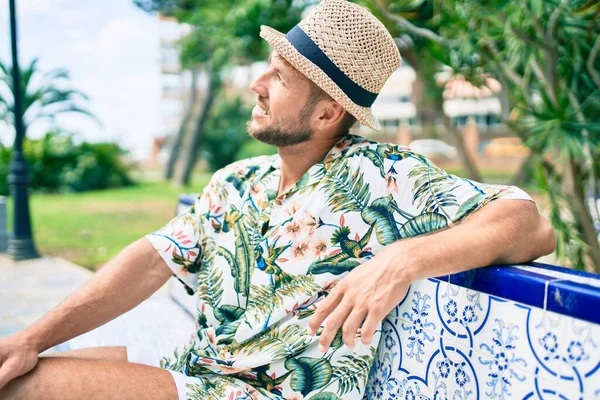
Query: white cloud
{"x": 132, "y": 38}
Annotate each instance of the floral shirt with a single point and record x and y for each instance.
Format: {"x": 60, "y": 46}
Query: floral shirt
{"x": 258, "y": 262}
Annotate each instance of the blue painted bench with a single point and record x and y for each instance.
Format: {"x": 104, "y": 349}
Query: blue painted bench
{"x": 503, "y": 332}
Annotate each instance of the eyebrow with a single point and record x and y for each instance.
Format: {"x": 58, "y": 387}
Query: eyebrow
{"x": 287, "y": 68}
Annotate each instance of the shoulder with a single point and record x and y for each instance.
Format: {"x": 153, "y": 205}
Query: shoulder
{"x": 357, "y": 145}
{"x": 386, "y": 157}
{"x": 244, "y": 169}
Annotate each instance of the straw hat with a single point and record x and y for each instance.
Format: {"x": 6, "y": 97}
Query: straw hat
{"x": 344, "y": 50}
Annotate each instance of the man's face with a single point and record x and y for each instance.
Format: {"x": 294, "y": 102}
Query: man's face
{"x": 281, "y": 116}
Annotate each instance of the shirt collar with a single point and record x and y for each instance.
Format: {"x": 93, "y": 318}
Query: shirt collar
{"x": 316, "y": 172}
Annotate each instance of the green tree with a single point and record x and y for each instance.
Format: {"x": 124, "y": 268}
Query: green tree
{"x": 44, "y": 95}
{"x": 422, "y": 48}
{"x": 226, "y": 131}
{"x": 545, "y": 54}
{"x": 224, "y": 33}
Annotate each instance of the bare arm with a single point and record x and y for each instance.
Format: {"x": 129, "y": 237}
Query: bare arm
{"x": 502, "y": 232}
{"x": 126, "y": 281}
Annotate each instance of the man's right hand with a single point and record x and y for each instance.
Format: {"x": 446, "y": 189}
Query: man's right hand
{"x": 17, "y": 357}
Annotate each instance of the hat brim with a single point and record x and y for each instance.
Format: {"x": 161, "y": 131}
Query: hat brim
{"x": 285, "y": 49}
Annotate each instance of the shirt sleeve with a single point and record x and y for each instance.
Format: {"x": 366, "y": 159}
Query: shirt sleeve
{"x": 471, "y": 196}
{"x": 186, "y": 239}
{"x": 435, "y": 198}
{"x": 179, "y": 245}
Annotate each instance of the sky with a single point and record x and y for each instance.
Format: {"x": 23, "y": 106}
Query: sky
{"x": 110, "y": 48}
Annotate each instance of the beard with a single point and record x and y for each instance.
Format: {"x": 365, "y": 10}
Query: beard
{"x": 287, "y": 132}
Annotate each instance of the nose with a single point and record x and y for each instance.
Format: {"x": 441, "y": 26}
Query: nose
{"x": 258, "y": 86}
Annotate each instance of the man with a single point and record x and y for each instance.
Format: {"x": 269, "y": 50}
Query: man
{"x": 295, "y": 258}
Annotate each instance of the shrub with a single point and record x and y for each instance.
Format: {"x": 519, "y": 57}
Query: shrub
{"x": 225, "y": 131}
{"x": 57, "y": 163}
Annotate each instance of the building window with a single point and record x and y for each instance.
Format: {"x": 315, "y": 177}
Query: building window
{"x": 171, "y": 82}
{"x": 169, "y": 56}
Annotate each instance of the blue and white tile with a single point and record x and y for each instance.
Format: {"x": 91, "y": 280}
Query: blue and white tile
{"x": 499, "y": 379}
{"x": 448, "y": 301}
{"x": 504, "y": 335}
{"x": 548, "y": 342}
{"x": 592, "y": 381}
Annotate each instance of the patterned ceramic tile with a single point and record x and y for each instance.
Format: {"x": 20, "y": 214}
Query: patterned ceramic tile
{"x": 592, "y": 387}
{"x": 498, "y": 379}
{"x": 449, "y": 342}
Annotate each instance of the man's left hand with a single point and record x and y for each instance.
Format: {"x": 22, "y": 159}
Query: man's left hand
{"x": 368, "y": 293}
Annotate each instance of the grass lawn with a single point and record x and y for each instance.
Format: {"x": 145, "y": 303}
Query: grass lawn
{"x": 91, "y": 228}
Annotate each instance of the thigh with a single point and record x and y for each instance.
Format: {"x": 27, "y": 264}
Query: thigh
{"x": 108, "y": 353}
{"x": 79, "y": 378}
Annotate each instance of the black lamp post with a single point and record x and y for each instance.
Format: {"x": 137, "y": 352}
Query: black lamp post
{"x": 20, "y": 244}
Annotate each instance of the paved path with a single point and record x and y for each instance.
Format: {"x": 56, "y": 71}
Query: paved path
{"x": 29, "y": 289}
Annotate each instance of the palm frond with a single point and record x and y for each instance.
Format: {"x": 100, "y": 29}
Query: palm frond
{"x": 352, "y": 373}
{"x": 277, "y": 342}
{"x": 308, "y": 373}
{"x": 211, "y": 285}
{"x": 346, "y": 191}
{"x": 242, "y": 261}
{"x": 176, "y": 361}
{"x": 3, "y": 69}
{"x": 264, "y": 299}
{"x": 42, "y": 98}
{"x": 380, "y": 215}
{"x": 54, "y": 112}
{"x": 215, "y": 389}
{"x": 432, "y": 189}
{"x": 56, "y": 74}
{"x": 422, "y": 224}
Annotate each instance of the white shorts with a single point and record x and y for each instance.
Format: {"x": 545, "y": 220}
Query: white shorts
{"x": 188, "y": 387}
{"x": 149, "y": 356}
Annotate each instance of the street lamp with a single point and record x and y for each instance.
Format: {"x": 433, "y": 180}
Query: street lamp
{"x": 20, "y": 244}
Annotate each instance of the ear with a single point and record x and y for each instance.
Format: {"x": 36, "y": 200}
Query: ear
{"x": 328, "y": 114}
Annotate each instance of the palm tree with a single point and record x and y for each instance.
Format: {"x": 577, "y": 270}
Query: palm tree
{"x": 43, "y": 98}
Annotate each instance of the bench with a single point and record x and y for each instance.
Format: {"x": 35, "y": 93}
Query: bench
{"x": 507, "y": 332}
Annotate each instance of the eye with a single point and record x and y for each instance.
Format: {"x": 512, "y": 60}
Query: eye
{"x": 278, "y": 77}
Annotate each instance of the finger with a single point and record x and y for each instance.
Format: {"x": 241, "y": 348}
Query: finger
{"x": 334, "y": 322}
{"x": 357, "y": 315}
{"x": 324, "y": 308}
{"x": 368, "y": 329}
{"x": 7, "y": 373}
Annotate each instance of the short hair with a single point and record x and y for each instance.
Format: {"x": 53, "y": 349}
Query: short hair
{"x": 317, "y": 94}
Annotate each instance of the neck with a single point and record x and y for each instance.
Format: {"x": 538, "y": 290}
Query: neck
{"x": 296, "y": 160}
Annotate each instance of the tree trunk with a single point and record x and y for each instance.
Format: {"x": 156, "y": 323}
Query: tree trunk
{"x": 430, "y": 113}
{"x": 521, "y": 177}
{"x": 214, "y": 85}
{"x": 469, "y": 164}
{"x": 191, "y": 109}
{"x": 582, "y": 213}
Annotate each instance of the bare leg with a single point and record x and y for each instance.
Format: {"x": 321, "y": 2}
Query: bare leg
{"x": 63, "y": 378}
{"x": 115, "y": 353}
